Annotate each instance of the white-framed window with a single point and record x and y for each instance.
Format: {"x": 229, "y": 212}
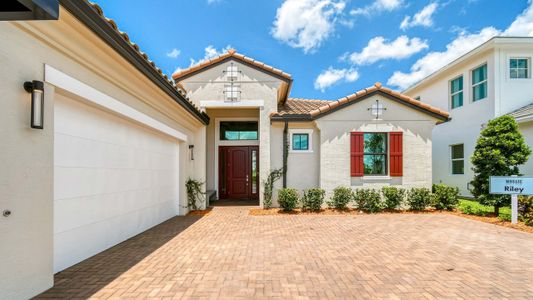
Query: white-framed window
{"x": 457, "y": 159}
{"x": 232, "y": 93}
{"x": 479, "y": 83}
{"x": 232, "y": 72}
{"x": 519, "y": 68}
{"x": 456, "y": 92}
{"x": 301, "y": 140}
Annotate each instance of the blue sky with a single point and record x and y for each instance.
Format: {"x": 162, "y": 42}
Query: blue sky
{"x": 330, "y": 47}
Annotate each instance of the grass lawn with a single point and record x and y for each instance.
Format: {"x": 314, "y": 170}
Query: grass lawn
{"x": 474, "y": 208}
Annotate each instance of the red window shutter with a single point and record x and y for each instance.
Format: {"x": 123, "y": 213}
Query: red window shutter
{"x": 396, "y": 154}
{"x": 357, "y": 146}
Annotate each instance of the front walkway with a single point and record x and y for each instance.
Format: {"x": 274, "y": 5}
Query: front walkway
{"x": 231, "y": 254}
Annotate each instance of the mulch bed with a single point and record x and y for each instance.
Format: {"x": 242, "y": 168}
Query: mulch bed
{"x": 353, "y": 212}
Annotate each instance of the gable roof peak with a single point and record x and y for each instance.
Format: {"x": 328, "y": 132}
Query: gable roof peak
{"x": 233, "y": 54}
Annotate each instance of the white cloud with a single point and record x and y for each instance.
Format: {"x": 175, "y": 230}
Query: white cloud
{"x": 332, "y": 76}
{"x": 436, "y": 60}
{"x": 422, "y": 18}
{"x": 465, "y": 42}
{"x": 379, "y": 48}
{"x": 377, "y": 6}
{"x": 210, "y": 52}
{"x": 306, "y": 23}
{"x": 174, "y": 53}
{"x": 523, "y": 24}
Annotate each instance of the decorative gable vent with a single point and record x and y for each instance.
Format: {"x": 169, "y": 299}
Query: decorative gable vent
{"x": 232, "y": 72}
{"x": 232, "y": 92}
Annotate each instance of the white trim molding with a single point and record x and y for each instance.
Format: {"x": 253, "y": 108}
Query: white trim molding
{"x": 93, "y": 96}
{"x": 227, "y": 104}
{"x": 307, "y": 131}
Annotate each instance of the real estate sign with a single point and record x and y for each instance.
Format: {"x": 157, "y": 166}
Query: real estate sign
{"x": 511, "y": 185}
{"x": 514, "y": 186}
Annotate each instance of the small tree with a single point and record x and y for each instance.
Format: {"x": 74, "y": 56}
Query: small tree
{"x": 499, "y": 151}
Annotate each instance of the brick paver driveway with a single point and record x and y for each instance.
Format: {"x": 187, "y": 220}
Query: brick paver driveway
{"x": 230, "y": 254}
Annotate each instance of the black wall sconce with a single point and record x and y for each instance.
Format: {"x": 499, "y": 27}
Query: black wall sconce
{"x": 36, "y": 89}
{"x": 191, "y": 150}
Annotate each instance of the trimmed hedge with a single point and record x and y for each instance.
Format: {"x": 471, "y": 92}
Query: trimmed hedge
{"x": 341, "y": 197}
{"x": 419, "y": 198}
{"x": 394, "y": 197}
{"x": 313, "y": 199}
{"x": 445, "y": 197}
{"x": 288, "y": 199}
{"x": 368, "y": 200}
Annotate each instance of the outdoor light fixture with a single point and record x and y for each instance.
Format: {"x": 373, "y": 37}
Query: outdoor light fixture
{"x": 36, "y": 88}
{"x": 191, "y": 150}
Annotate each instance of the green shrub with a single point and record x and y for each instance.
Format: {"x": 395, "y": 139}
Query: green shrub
{"x": 313, "y": 199}
{"x": 419, "y": 198}
{"x": 341, "y": 197}
{"x": 445, "y": 197}
{"x": 393, "y": 197}
{"x": 525, "y": 209}
{"x": 287, "y": 198}
{"x": 368, "y": 200}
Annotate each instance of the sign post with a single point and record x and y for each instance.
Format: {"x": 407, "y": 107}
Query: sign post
{"x": 514, "y": 186}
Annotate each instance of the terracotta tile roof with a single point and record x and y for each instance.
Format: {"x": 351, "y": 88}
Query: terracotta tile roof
{"x": 299, "y": 106}
{"x": 231, "y": 53}
{"x": 143, "y": 55}
{"x": 315, "y": 108}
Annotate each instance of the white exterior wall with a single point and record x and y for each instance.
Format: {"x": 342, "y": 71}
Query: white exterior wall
{"x": 466, "y": 121}
{"x": 259, "y": 90}
{"x": 27, "y": 155}
{"x": 303, "y": 168}
{"x": 504, "y": 96}
{"x": 335, "y": 131}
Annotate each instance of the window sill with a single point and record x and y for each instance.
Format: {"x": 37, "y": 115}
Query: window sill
{"x": 370, "y": 178}
{"x": 301, "y": 151}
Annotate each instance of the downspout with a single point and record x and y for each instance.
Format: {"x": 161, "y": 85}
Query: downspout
{"x": 285, "y": 152}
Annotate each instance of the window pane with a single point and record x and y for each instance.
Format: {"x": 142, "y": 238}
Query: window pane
{"x": 375, "y": 143}
{"x": 458, "y": 167}
{"x": 514, "y": 73}
{"x": 254, "y": 172}
{"x": 238, "y": 131}
{"x": 479, "y": 74}
{"x": 522, "y": 73}
{"x": 375, "y": 164}
{"x": 300, "y": 141}
{"x": 522, "y": 63}
{"x": 513, "y": 63}
{"x": 457, "y": 100}
{"x": 457, "y": 85}
{"x": 480, "y": 91}
{"x": 458, "y": 151}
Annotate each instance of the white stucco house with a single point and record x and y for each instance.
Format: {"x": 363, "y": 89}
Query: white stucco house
{"x": 97, "y": 142}
{"x": 371, "y": 138}
{"x": 492, "y": 80}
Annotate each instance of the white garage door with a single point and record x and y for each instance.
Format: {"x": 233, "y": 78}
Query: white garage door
{"x": 113, "y": 179}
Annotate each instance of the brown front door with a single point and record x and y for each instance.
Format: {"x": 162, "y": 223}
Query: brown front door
{"x": 238, "y": 172}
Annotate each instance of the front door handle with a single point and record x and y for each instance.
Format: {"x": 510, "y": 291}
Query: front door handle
{"x": 247, "y": 178}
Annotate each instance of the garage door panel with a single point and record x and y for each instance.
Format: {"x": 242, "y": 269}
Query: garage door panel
{"x": 113, "y": 179}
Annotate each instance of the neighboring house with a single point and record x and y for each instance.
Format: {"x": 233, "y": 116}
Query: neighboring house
{"x": 112, "y": 157}
{"x": 372, "y": 138}
{"x": 492, "y": 80}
